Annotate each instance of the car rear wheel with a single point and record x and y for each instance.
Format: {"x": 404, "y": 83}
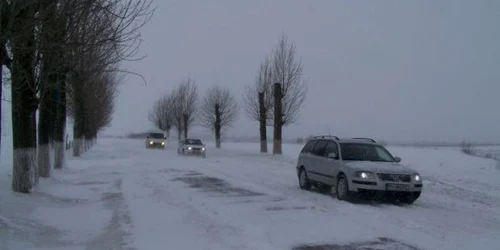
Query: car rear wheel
{"x": 342, "y": 189}
{"x": 303, "y": 180}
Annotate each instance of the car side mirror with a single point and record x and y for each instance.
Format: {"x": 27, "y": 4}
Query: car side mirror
{"x": 147, "y": 137}
{"x": 397, "y": 159}
{"x": 165, "y": 137}
{"x": 332, "y": 156}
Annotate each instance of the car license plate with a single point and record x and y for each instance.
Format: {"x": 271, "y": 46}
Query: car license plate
{"x": 397, "y": 187}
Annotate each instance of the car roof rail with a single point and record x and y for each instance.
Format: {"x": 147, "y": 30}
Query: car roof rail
{"x": 326, "y": 137}
{"x": 364, "y": 138}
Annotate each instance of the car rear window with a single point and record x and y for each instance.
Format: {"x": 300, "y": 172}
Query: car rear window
{"x": 193, "y": 142}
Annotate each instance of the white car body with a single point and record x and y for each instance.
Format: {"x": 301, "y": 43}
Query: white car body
{"x": 156, "y": 140}
{"x": 190, "y": 146}
{"x": 323, "y": 162}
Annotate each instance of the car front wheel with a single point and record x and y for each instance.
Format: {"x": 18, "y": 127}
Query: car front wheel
{"x": 342, "y": 189}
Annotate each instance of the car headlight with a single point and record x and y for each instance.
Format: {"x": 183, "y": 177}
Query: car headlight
{"x": 202, "y": 149}
{"x": 417, "y": 177}
{"x": 365, "y": 175}
{"x": 162, "y": 143}
{"x": 189, "y": 148}
{"x": 150, "y": 142}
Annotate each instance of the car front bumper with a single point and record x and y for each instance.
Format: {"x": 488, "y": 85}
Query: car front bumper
{"x": 377, "y": 185}
{"x": 156, "y": 145}
{"x": 194, "y": 152}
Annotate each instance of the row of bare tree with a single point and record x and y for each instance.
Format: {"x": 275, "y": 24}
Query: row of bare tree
{"x": 275, "y": 98}
{"x": 63, "y": 58}
{"x": 181, "y": 109}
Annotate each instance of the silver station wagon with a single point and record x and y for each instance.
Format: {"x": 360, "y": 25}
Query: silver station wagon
{"x": 356, "y": 167}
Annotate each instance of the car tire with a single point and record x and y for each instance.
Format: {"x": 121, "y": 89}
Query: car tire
{"x": 342, "y": 189}
{"x": 304, "y": 182}
{"x": 410, "y": 198}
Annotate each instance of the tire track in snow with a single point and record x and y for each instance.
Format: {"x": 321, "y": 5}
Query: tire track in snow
{"x": 183, "y": 217}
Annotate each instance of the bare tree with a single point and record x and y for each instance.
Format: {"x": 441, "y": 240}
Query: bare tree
{"x": 109, "y": 35}
{"x": 185, "y": 102}
{"x": 219, "y": 110}
{"x": 162, "y": 113}
{"x": 284, "y": 68}
{"x": 258, "y": 100}
{"x": 99, "y": 105}
{"x": 290, "y": 85}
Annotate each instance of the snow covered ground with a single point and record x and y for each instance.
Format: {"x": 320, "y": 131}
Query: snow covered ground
{"x": 123, "y": 196}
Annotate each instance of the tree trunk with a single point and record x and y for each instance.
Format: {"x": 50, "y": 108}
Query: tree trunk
{"x": 59, "y": 92}
{"x": 44, "y": 132}
{"x": 217, "y": 126}
{"x": 185, "y": 120}
{"x": 47, "y": 82}
{"x": 79, "y": 118}
{"x": 60, "y": 121}
{"x": 1, "y": 101}
{"x": 262, "y": 124}
{"x": 278, "y": 119}
{"x": 24, "y": 101}
{"x": 179, "y": 129}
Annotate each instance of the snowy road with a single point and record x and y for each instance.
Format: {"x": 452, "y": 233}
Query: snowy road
{"x": 122, "y": 196}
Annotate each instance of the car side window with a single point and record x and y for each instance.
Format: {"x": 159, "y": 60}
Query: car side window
{"x": 319, "y": 148}
{"x": 308, "y": 147}
{"x": 331, "y": 147}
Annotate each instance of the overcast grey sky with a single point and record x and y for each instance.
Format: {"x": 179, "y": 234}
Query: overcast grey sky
{"x": 396, "y": 70}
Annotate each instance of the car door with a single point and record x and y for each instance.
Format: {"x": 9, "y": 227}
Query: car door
{"x": 316, "y": 159}
{"x": 330, "y": 163}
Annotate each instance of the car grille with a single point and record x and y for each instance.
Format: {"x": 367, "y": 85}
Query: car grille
{"x": 196, "y": 149}
{"x": 395, "y": 177}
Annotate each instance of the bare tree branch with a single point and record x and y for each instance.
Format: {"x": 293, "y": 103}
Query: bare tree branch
{"x": 287, "y": 70}
{"x": 263, "y": 84}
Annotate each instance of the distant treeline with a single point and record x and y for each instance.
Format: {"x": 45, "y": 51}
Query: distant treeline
{"x": 301, "y": 140}
{"x": 138, "y": 135}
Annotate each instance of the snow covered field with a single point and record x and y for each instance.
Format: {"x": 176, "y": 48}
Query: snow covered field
{"x": 123, "y": 196}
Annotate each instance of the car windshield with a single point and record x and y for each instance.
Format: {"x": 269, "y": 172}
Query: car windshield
{"x": 193, "y": 142}
{"x": 156, "y": 135}
{"x": 365, "y": 152}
